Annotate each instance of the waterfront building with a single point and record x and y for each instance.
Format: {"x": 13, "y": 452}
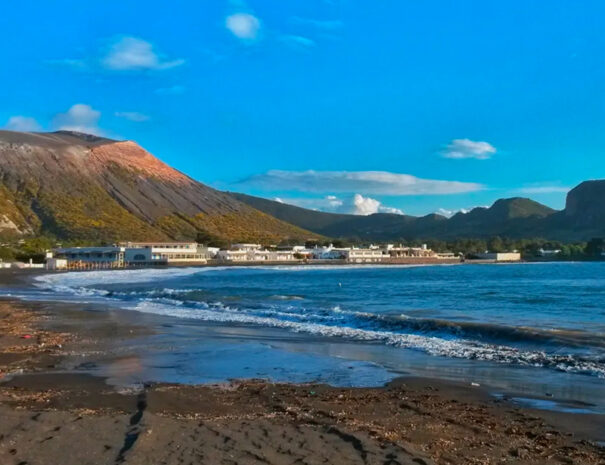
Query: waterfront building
{"x": 106, "y": 257}
{"x": 500, "y": 256}
{"x": 256, "y": 255}
{"x": 174, "y": 253}
{"x": 232, "y": 255}
{"x": 409, "y": 252}
{"x": 246, "y": 247}
{"x": 369, "y": 255}
{"x": 328, "y": 252}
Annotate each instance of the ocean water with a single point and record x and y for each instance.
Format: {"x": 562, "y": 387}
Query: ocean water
{"x": 537, "y": 329}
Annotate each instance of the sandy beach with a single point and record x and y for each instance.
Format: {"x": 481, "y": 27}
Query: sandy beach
{"x": 55, "y": 415}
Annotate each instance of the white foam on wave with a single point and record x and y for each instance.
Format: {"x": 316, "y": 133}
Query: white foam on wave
{"x": 432, "y": 345}
{"x": 76, "y": 279}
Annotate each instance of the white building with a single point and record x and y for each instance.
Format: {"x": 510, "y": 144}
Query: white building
{"x": 173, "y": 252}
{"x": 246, "y": 247}
{"x": 409, "y": 252}
{"x": 53, "y": 263}
{"x": 328, "y": 253}
{"x": 256, "y": 255}
{"x": 232, "y": 255}
{"x": 500, "y": 256}
{"x": 370, "y": 255}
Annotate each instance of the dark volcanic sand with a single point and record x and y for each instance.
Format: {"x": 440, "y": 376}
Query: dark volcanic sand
{"x": 48, "y": 417}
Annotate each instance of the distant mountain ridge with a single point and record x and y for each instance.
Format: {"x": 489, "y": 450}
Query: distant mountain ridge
{"x": 582, "y": 219}
{"x": 78, "y": 186}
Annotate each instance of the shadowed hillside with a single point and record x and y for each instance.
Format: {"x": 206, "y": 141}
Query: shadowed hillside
{"x": 582, "y": 219}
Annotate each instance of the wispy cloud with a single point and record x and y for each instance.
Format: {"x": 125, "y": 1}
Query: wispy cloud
{"x": 172, "y": 90}
{"x": 132, "y": 53}
{"x": 121, "y": 53}
{"x": 132, "y": 116}
{"x": 81, "y": 118}
{"x": 22, "y": 124}
{"x": 368, "y": 182}
{"x": 298, "y": 42}
{"x": 244, "y": 26}
{"x": 320, "y": 25}
{"x": 466, "y": 148}
{"x": 356, "y": 204}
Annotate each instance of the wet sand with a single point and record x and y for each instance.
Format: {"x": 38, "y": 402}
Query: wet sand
{"x": 52, "y": 415}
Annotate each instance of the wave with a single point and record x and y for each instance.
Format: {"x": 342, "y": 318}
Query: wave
{"x": 470, "y": 340}
{"x": 466, "y": 349}
{"x": 483, "y": 331}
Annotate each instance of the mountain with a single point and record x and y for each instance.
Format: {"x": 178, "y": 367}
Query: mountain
{"x": 585, "y": 206}
{"x": 582, "y": 219}
{"x": 78, "y": 186}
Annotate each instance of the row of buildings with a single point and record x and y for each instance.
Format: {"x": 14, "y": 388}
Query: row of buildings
{"x": 133, "y": 254}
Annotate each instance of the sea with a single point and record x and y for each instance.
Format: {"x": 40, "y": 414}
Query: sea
{"x": 534, "y": 332}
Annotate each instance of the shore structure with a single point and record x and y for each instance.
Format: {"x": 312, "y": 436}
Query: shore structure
{"x": 137, "y": 254}
{"x": 175, "y": 252}
{"x": 500, "y": 256}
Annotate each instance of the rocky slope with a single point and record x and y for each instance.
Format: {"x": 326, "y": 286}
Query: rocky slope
{"x": 77, "y": 186}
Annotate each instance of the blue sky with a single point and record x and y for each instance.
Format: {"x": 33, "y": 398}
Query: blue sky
{"x": 343, "y": 105}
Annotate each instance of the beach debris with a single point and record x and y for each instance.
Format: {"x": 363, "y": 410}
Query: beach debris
{"x": 26, "y": 336}
{"x": 475, "y": 384}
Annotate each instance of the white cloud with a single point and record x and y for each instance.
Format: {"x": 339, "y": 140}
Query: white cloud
{"x": 132, "y": 116}
{"x": 356, "y": 205}
{"x": 367, "y": 206}
{"x": 172, "y": 90}
{"x": 542, "y": 189}
{"x": 243, "y": 25}
{"x": 466, "y": 148}
{"x": 298, "y": 42}
{"x": 22, "y": 124}
{"x": 322, "y": 25}
{"x": 449, "y": 213}
{"x": 368, "y": 182}
{"x": 79, "y": 118}
{"x": 132, "y": 53}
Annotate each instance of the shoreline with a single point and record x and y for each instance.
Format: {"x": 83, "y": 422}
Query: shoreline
{"x": 11, "y": 276}
{"x": 410, "y": 420}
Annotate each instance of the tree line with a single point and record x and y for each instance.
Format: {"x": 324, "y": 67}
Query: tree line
{"x": 35, "y": 247}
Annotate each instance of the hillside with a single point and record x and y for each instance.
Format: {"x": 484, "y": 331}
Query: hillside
{"x": 77, "y": 186}
{"x": 582, "y": 219}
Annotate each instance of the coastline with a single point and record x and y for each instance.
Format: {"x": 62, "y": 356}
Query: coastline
{"x": 51, "y": 401}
